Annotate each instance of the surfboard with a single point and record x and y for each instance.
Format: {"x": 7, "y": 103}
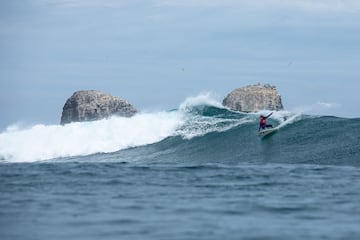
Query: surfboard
{"x": 267, "y": 131}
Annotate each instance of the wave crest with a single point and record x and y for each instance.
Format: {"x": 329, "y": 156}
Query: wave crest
{"x": 42, "y": 142}
{"x": 196, "y": 117}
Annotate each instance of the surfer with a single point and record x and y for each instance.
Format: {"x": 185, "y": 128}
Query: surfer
{"x": 263, "y": 124}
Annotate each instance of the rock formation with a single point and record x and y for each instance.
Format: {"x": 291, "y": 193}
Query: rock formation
{"x": 94, "y": 105}
{"x": 253, "y": 98}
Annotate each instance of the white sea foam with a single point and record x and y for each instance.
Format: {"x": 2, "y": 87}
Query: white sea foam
{"x": 283, "y": 118}
{"x": 42, "y": 142}
{"x": 198, "y": 125}
{"x": 201, "y": 99}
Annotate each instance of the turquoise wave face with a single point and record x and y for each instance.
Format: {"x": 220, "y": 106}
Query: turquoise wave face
{"x": 212, "y": 135}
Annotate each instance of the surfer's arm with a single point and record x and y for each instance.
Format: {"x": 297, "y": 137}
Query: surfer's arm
{"x": 269, "y": 115}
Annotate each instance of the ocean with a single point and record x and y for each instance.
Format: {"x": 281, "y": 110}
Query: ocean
{"x": 199, "y": 171}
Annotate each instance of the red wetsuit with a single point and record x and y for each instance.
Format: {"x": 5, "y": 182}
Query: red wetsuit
{"x": 263, "y": 124}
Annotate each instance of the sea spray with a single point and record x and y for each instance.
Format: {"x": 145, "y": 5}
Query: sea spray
{"x": 282, "y": 118}
{"x": 320, "y": 108}
{"x": 203, "y": 99}
{"x": 204, "y": 114}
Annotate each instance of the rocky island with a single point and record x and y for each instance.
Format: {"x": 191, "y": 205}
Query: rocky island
{"x": 254, "y": 98}
{"x": 94, "y": 105}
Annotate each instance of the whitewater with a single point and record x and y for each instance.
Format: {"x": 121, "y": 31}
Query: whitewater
{"x": 42, "y": 142}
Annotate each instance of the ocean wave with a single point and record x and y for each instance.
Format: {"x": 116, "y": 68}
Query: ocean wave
{"x": 200, "y": 129}
{"x": 42, "y": 142}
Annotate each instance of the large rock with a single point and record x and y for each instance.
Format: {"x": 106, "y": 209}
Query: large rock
{"x": 254, "y": 98}
{"x": 94, "y": 105}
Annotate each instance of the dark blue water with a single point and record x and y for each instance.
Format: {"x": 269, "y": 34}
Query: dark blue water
{"x": 165, "y": 201}
{"x": 300, "y": 183}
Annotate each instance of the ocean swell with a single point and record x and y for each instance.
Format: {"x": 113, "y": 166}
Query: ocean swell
{"x": 200, "y": 130}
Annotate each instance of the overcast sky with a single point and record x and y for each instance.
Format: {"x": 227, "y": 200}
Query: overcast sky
{"x": 155, "y": 53}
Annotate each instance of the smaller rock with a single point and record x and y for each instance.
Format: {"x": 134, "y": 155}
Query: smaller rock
{"x": 94, "y": 105}
{"x": 253, "y": 98}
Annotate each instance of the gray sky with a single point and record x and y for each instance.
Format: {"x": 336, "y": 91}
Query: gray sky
{"x": 155, "y": 53}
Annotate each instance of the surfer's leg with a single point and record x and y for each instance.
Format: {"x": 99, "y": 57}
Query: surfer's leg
{"x": 270, "y": 126}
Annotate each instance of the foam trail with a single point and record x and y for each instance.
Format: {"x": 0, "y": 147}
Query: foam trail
{"x": 288, "y": 119}
{"x": 200, "y": 126}
{"x": 42, "y": 142}
{"x": 284, "y": 118}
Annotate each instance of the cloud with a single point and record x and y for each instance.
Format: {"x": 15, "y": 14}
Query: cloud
{"x": 306, "y": 5}
{"x": 84, "y": 3}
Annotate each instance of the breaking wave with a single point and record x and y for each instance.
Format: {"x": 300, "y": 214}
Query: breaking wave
{"x": 200, "y": 130}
